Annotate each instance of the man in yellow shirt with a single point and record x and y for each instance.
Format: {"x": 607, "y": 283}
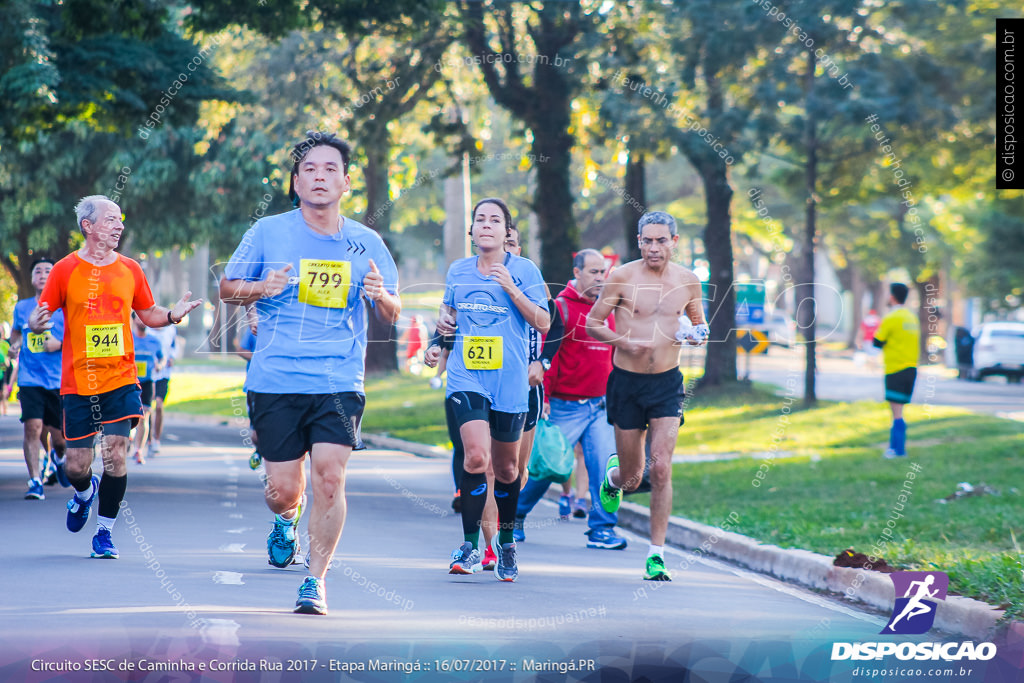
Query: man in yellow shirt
{"x": 899, "y": 337}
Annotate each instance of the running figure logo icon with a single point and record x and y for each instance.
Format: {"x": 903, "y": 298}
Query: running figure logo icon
{"x": 914, "y": 613}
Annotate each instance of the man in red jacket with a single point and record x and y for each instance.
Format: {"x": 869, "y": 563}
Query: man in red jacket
{"x": 575, "y": 386}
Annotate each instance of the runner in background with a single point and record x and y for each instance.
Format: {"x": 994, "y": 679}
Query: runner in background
{"x": 168, "y": 337}
{"x": 149, "y": 358}
{"x": 38, "y": 376}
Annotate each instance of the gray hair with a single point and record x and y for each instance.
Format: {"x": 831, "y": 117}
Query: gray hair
{"x": 580, "y": 259}
{"x": 657, "y": 218}
{"x": 85, "y": 209}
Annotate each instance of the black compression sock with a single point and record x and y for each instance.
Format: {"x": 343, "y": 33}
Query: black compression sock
{"x": 507, "y": 498}
{"x": 473, "y": 492}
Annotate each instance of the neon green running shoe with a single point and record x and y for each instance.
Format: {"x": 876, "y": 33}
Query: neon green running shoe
{"x": 611, "y": 497}
{"x": 655, "y": 570}
{"x": 254, "y": 460}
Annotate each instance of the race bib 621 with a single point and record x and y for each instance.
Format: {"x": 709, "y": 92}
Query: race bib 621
{"x": 482, "y": 353}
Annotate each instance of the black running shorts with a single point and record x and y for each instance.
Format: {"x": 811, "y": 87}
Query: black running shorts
{"x": 634, "y": 399}
{"x": 536, "y": 406}
{"x": 160, "y": 388}
{"x": 467, "y": 406}
{"x": 39, "y": 403}
{"x": 147, "y": 393}
{"x": 899, "y": 386}
{"x": 113, "y": 412}
{"x": 289, "y": 424}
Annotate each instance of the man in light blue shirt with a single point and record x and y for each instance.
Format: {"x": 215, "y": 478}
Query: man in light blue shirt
{"x": 313, "y": 274}
{"x": 38, "y": 376}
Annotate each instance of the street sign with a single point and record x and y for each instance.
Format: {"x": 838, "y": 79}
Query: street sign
{"x": 751, "y": 341}
{"x": 749, "y": 302}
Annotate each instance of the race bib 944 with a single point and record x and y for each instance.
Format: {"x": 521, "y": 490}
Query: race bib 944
{"x": 104, "y": 341}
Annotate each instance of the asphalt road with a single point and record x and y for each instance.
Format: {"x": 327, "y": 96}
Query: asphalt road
{"x": 840, "y": 379}
{"x": 207, "y": 606}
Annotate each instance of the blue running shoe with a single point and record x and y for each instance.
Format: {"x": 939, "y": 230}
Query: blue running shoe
{"x": 506, "y": 569}
{"x": 35, "y": 490}
{"x": 283, "y": 541}
{"x": 604, "y": 537}
{"x": 466, "y": 560}
{"x": 312, "y": 597}
{"x": 564, "y": 506}
{"x": 62, "y": 474}
{"x": 518, "y": 533}
{"x": 48, "y": 470}
{"x": 78, "y": 512}
{"x": 102, "y": 546}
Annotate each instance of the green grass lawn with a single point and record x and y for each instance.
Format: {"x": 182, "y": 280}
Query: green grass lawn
{"x": 828, "y": 488}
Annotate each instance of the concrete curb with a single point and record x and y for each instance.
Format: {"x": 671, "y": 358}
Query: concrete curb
{"x": 956, "y": 614}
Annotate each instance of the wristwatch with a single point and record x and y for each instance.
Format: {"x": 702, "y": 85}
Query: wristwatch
{"x": 545, "y": 363}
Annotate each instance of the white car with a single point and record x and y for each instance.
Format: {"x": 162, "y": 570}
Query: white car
{"x": 780, "y": 329}
{"x": 999, "y": 350}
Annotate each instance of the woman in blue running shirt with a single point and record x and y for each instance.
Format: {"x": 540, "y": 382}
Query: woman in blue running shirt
{"x": 490, "y": 302}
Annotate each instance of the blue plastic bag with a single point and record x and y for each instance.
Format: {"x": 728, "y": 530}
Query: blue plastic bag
{"x": 552, "y": 456}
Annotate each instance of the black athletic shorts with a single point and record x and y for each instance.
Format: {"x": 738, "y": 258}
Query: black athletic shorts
{"x": 468, "y": 406}
{"x": 147, "y": 393}
{"x": 112, "y": 412}
{"x": 160, "y": 388}
{"x": 40, "y": 403}
{"x": 634, "y": 399}
{"x": 289, "y": 424}
{"x": 536, "y": 406}
{"x": 899, "y": 386}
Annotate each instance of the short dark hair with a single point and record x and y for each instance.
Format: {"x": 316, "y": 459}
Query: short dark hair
{"x": 41, "y": 259}
{"x": 580, "y": 259}
{"x": 509, "y": 225}
{"x": 899, "y": 292}
{"x": 316, "y": 139}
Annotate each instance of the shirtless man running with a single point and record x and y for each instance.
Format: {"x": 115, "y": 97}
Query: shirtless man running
{"x": 657, "y": 306}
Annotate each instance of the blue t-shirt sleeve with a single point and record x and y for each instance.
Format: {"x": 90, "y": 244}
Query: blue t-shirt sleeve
{"x": 247, "y": 261}
{"x": 57, "y": 331}
{"x": 386, "y": 265}
{"x": 533, "y": 284}
{"x": 20, "y": 318}
{"x": 449, "y": 289}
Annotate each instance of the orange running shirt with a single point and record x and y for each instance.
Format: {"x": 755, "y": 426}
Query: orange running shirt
{"x": 98, "y": 354}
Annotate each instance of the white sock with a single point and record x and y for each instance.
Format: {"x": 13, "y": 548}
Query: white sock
{"x": 57, "y": 460}
{"x": 92, "y": 491}
{"x": 288, "y": 520}
{"x": 658, "y": 550}
{"x": 615, "y": 471}
{"x": 105, "y": 523}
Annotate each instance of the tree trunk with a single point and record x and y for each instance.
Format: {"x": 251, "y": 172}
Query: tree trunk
{"x": 857, "y": 312}
{"x": 806, "y": 306}
{"x": 382, "y": 338}
{"x": 636, "y": 200}
{"x": 720, "y": 359}
{"x": 553, "y": 198}
{"x": 928, "y": 293}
